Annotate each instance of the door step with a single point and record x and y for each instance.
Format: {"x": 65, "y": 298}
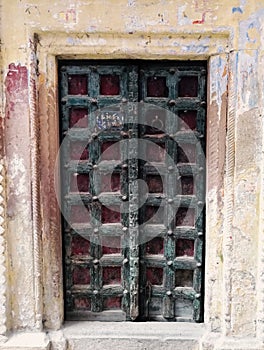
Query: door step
{"x": 133, "y": 336}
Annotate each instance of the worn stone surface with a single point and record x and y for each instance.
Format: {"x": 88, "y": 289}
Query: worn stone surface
{"x": 239, "y": 344}
{"x": 132, "y": 336}
{"x": 58, "y": 340}
{"x": 135, "y": 344}
{"x": 19, "y": 196}
{"x": 27, "y": 341}
{"x": 260, "y": 280}
{"x": 3, "y": 253}
{"x": 215, "y": 155}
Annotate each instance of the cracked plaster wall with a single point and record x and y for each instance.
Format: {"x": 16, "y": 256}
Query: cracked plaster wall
{"x": 234, "y": 258}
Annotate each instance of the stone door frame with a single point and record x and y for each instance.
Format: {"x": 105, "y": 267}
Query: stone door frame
{"x": 44, "y": 51}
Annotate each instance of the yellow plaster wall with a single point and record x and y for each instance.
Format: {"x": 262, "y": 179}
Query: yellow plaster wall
{"x": 103, "y": 23}
{"x": 242, "y": 18}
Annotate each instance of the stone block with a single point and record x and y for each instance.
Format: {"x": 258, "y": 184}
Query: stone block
{"x": 27, "y": 341}
{"x": 133, "y": 336}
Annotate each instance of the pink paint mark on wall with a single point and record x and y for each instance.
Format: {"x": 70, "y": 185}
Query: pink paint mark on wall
{"x": 200, "y": 21}
{"x": 16, "y": 84}
{"x": 202, "y": 6}
{"x": 17, "y": 130}
{"x": 68, "y": 16}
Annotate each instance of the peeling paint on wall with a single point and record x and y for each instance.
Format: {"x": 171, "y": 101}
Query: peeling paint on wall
{"x": 16, "y": 82}
{"x": 248, "y": 82}
{"x": 183, "y": 18}
{"x": 19, "y": 195}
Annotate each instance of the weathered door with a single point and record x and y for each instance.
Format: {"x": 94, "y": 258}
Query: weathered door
{"x": 133, "y": 189}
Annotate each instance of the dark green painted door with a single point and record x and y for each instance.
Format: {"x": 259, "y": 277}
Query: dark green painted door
{"x": 132, "y": 170}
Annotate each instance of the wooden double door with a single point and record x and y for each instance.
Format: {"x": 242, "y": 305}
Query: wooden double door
{"x": 132, "y": 189}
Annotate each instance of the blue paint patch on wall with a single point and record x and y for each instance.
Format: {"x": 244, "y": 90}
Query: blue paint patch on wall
{"x": 237, "y": 9}
{"x": 254, "y": 22}
{"x": 251, "y": 40}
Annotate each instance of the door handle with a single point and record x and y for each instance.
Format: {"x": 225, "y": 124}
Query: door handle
{"x": 171, "y": 102}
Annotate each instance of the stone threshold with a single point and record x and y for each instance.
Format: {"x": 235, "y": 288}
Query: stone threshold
{"x": 128, "y": 336}
{"x": 120, "y": 335}
{"x": 132, "y": 335}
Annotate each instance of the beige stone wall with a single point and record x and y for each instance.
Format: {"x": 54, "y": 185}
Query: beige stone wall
{"x": 229, "y": 34}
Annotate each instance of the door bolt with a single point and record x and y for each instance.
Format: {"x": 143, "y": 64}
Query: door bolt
{"x": 125, "y": 261}
{"x": 172, "y": 102}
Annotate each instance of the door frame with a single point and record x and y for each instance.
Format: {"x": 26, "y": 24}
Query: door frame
{"x": 49, "y": 47}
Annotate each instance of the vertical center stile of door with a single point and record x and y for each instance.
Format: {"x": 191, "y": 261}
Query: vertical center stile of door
{"x": 133, "y": 193}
